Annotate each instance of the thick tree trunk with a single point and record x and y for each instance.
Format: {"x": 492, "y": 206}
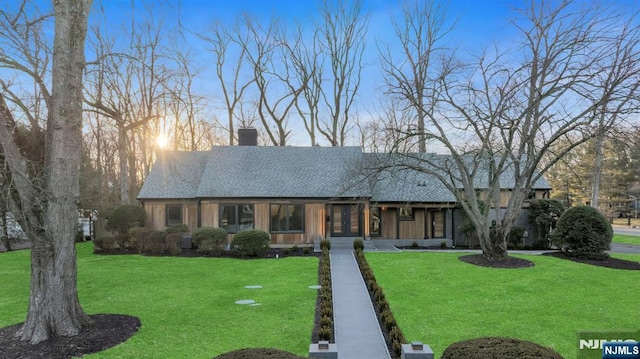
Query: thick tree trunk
{"x": 54, "y": 309}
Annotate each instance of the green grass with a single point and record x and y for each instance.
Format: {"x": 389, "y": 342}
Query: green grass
{"x": 186, "y": 305}
{"x": 440, "y": 300}
{"x": 626, "y": 239}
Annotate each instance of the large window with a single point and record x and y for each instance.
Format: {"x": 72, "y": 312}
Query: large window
{"x": 287, "y": 218}
{"x": 173, "y": 214}
{"x": 236, "y": 217}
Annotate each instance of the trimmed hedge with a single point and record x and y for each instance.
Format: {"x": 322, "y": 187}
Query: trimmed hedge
{"x": 388, "y": 323}
{"x": 258, "y": 353}
{"x": 496, "y": 347}
{"x": 251, "y": 243}
{"x": 583, "y": 232}
{"x": 210, "y": 239}
{"x": 125, "y": 217}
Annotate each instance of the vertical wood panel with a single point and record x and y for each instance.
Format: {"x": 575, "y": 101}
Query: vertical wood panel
{"x": 413, "y": 229}
{"x": 388, "y": 223}
{"x": 209, "y": 215}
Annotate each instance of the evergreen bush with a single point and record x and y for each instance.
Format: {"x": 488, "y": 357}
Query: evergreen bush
{"x": 210, "y": 239}
{"x": 125, "y": 217}
{"x": 583, "y": 232}
{"x": 252, "y": 243}
{"x": 495, "y": 347}
{"x": 174, "y": 243}
{"x": 325, "y": 243}
{"x": 358, "y": 244}
{"x": 178, "y": 228}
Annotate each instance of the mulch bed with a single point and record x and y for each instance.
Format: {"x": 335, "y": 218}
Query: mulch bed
{"x": 107, "y": 331}
{"x": 613, "y": 263}
{"x": 508, "y": 262}
{"x": 192, "y": 253}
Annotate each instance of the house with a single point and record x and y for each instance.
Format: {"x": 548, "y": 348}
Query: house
{"x": 300, "y": 195}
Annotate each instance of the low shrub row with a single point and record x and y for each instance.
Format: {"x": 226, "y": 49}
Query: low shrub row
{"x": 142, "y": 240}
{"x": 324, "y": 309}
{"x": 392, "y": 333}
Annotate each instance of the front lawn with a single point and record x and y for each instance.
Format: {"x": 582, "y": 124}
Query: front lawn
{"x": 186, "y": 305}
{"x": 626, "y": 239}
{"x": 440, "y": 300}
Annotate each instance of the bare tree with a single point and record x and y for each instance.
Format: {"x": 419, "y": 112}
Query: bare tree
{"x": 48, "y": 206}
{"x": 129, "y": 88}
{"x": 272, "y": 78}
{"x": 621, "y": 59}
{"x": 516, "y": 108}
{"x": 230, "y": 78}
{"x": 306, "y": 62}
{"x": 342, "y": 33}
{"x": 412, "y": 78}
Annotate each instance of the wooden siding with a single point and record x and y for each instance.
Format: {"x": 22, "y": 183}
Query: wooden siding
{"x": 413, "y": 229}
{"x": 388, "y": 223}
{"x": 156, "y": 214}
{"x": 210, "y": 214}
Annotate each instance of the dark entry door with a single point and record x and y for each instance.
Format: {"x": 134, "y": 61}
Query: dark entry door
{"x": 345, "y": 220}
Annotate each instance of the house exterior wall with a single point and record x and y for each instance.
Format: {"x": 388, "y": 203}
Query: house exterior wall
{"x": 314, "y": 217}
{"x": 157, "y": 216}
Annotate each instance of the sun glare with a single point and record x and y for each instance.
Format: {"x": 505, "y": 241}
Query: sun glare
{"x": 162, "y": 141}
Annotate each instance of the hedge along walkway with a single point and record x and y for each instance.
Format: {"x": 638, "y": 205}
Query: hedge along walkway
{"x": 357, "y": 332}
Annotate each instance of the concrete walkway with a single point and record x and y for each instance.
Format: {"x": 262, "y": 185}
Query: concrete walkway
{"x": 357, "y": 332}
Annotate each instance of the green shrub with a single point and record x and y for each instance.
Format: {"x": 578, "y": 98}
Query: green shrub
{"x": 252, "y": 243}
{"x": 104, "y": 243}
{"x": 125, "y": 217}
{"x": 492, "y": 347}
{"x": 583, "y": 232}
{"x": 544, "y": 215}
{"x": 142, "y": 238}
{"x": 258, "y": 353}
{"x": 443, "y": 244}
{"x": 178, "y": 228}
{"x": 174, "y": 243}
{"x": 358, "y": 244}
{"x": 210, "y": 239}
{"x": 415, "y": 245}
{"x": 514, "y": 239}
{"x": 157, "y": 243}
{"x": 325, "y": 243}
{"x": 325, "y": 333}
{"x": 122, "y": 239}
{"x": 306, "y": 251}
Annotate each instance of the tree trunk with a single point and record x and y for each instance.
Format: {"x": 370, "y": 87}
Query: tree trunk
{"x": 597, "y": 170}
{"x": 54, "y": 308}
{"x": 122, "y": 158}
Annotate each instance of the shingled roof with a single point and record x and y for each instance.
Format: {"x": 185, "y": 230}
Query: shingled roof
{"x": 290, "y": 172}
{"x": 256, "y": 172}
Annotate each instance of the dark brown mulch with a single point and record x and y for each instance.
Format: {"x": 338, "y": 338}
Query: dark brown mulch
{"x": 191, "y": 253}
{"x": 258, "y": 353}
{"x": 508, "y": 262}
{"x": 497, "y": 348}
{"x": 108, "y": 330}
{"x": 613, "y": 263}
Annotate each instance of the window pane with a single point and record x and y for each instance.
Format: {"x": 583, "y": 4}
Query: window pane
{"x": 228, "y": 218}
{"x": 296, "y": 217}
{"x": 246, "y": 217}
{"x": 174, "y": 215}
{"x": 278, "y": 218}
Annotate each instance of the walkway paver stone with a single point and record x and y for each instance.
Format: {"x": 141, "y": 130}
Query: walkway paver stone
{"x": 357, "y": 331}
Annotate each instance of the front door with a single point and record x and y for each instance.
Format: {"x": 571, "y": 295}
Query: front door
{"x": 345, "y": 220}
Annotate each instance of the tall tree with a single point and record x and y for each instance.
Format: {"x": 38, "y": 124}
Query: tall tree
{"x": 500, "y": 116}
{"x": 411, "y": 78}
{"x": 49, "y": 205}
{"x": 342, "y": 32}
